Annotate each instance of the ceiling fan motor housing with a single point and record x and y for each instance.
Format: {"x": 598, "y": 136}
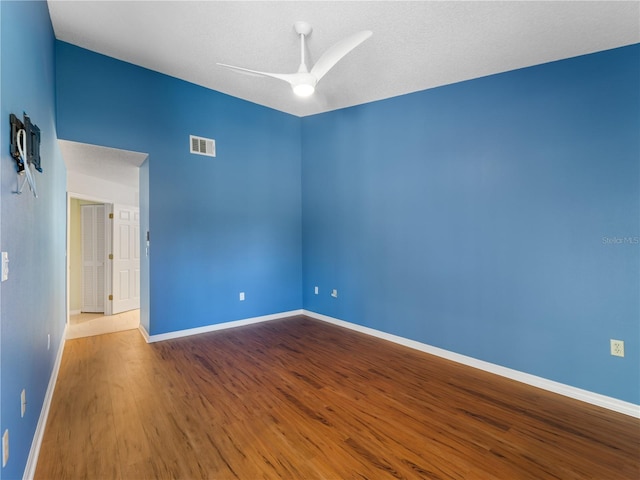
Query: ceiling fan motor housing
{"x": 302, "y": 28}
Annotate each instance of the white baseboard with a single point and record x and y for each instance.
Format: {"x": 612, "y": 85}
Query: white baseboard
{"x": 144, "y": 333}
{"x": 36, "y": 443}
{"x": 219, "y": 326}
{"x": 604, "y": 401}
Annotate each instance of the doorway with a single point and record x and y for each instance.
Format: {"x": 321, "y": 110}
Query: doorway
{"x": 104, "y": 267}
{"x": 103, "y": 284}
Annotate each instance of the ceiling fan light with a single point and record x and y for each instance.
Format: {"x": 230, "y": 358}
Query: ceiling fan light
{"x": 303, "y": 89}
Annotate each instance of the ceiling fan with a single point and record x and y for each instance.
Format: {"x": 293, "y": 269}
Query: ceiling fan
{"x": 304, "y": 81}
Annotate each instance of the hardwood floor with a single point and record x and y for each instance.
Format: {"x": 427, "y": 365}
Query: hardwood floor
{"x": 301, "y": 399}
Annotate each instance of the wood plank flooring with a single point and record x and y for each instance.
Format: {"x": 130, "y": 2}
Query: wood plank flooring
{"x": 301, "y": 399}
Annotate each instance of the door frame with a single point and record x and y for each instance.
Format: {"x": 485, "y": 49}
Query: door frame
{"x": 108, "y": 237}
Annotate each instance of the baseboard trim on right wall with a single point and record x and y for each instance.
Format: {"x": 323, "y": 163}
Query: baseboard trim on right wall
{"x": 609, "y": 403}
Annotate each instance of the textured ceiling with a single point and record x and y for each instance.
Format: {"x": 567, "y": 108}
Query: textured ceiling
{"x": 415, "y": 45}
{"x": 111, "y": 164}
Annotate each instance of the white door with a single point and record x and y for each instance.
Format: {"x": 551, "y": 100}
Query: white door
{"x": 93, "y": 228}
{"x": 126, "y": 258}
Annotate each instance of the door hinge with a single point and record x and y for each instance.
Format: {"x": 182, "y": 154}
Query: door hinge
{"x": 110, "y": 297}
{"x": 111, "y": 216}
{"x": 111, "y": 256}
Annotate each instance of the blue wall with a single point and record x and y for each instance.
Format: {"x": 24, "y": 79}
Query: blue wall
{"x": 498, "y": 218}
{"x": 481, "y": 218}
{"x": 33, "y": 231}
{"x": 472, "y": 217}
{"x": 218, "y": 226}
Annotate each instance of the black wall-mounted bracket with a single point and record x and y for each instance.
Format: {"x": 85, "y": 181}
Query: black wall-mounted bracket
{"x": 16, "y": 126}
{"x": 25, "y": 150}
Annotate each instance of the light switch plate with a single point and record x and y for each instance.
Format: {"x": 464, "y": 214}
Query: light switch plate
{"x": 5, "y": 266}
{"x": 23, "y": 402}
{"x": 5, "y": 448}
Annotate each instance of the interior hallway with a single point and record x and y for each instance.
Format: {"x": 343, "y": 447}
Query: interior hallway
{"x": 90, "y": 324}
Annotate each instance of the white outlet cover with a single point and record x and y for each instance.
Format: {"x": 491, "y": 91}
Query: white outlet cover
{"x": 334, "y": 293}
{"x": 617, "y": 348}
{"x": 315, "y": 290}
{"x": 23, "y": 402}
{"x": 242, "y": 296}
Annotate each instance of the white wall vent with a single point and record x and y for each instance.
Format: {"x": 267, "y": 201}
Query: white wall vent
{"x": 202, "y": 146}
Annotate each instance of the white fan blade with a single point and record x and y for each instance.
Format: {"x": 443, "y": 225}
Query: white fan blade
{"x": 336, "y": 52}
{"x": 287, "y": 77}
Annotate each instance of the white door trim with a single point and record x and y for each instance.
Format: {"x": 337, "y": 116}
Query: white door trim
{"x": 89, "y": 198}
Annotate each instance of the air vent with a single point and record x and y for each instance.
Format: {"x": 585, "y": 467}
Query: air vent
{"x": 202, "y": 146}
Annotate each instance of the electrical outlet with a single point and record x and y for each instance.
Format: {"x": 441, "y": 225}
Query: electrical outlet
{"x": 23, "y": 402}
{"x": 617, "y": 348}
{"x": 5, "y": 448}
{"x": 315, "y": 290}
{"x": 334, "y": 293}
{"x": 242, "y": 296}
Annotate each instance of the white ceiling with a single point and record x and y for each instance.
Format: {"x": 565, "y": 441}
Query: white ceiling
{"x": 415, "y": 45}
{"x": 111, "y": 164}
